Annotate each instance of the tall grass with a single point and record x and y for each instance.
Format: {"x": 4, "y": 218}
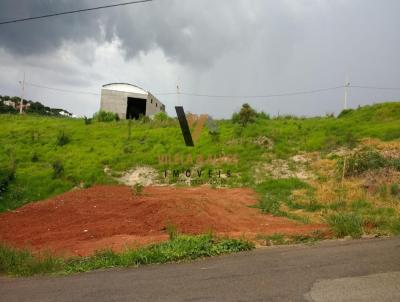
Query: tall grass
{"x": 22, "y": 263}
{"x": 346, "y": 224}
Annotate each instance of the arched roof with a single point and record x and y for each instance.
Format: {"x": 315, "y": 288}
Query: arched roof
{"x": 125, "y": 87}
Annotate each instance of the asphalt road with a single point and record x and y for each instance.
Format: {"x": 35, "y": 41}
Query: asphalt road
{"x": 359, "y": 270}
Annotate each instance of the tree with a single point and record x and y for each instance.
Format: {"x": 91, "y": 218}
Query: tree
{"x": 246, "y": 115}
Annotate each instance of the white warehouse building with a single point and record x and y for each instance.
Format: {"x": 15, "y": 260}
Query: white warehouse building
{"x": 129, "y": 101}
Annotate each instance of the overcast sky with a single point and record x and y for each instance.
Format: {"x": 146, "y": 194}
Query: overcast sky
{"x": 224, "y": 47}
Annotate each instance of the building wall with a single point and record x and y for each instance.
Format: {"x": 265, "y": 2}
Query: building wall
{"x": 153, "y": 105}
{"x": 117, "y": 102}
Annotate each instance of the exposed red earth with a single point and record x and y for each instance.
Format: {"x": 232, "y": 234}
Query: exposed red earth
{"x": 83, "y": 221}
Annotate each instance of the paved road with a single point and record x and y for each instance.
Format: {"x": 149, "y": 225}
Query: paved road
{"x": 361, "y": 270}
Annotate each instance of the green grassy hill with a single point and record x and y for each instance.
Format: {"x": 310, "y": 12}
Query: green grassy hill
{"x": 36, "y": 146}
{"x": 295, "y": 163}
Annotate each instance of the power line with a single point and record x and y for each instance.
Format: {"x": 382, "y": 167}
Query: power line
{"x": 220, "y": 96}
{"x": 261, "y": 96}
{"x": 61, "y": 89}
{"x": 74, "y": 11}
{"x": 374, "y": 87}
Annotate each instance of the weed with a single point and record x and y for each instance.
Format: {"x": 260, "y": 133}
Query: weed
{"x": 34, "y": 157}
{"x": 394, "y": 189}
{"x": 360, "y": 205}
{"x": 62, "y": 138}
{"x": 7, "y": 175}
{"x": 346, "y": 224}
{"x": 172, "y": 231}
{"x": 58, "y": 169}
{"x": 137, "y": 189}
{"x": 338, "y": 205}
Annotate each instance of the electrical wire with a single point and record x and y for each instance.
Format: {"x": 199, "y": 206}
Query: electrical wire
{"x": 74, "y": 11}
{"x": 261, "y": 96}
{"x": 221, "y": 96}
{"x": 61, "y": 89}
{"x": 373, "y": 87}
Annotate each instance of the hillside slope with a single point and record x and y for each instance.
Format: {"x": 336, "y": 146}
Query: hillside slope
{"x": 343, "y": 171}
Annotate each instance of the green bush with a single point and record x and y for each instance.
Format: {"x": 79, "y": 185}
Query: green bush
{"x": 346, "y": 224}
{"x": 104, "y": 116}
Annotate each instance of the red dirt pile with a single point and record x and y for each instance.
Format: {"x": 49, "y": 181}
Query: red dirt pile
{"x": 83, "y": 221}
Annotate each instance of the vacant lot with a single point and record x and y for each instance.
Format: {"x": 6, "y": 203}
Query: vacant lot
{"x": 83, "y": 221}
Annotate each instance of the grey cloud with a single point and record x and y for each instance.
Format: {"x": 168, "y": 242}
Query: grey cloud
{"x": 191, "y": 32}
{"x": 224, "y": 47}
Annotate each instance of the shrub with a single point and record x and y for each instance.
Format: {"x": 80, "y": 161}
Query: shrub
{"x": 87, "y": 120}
{"x": 345, "y": 112}
{"x": 364, "y": 161}
{"x": 346, "y": 224}
{"x": 58, "y": 169}
{"x": 262, "y": 115}
{"x": 62, "y": 138}
{"x": 104, "y": 116}
{"x": 161, "y": 117}
{"x": 245, "y": 116}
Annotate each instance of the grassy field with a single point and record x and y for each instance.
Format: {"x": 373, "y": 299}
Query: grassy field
{"x": 307, "y": 169}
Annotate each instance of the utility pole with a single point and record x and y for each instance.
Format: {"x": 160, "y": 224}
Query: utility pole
{"x": 178, "y": 95}
{"x": 21, "y": 103}
{"x": 346, "y": 92}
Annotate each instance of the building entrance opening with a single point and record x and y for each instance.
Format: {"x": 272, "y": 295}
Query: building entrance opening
{"x": 136, "y": 107}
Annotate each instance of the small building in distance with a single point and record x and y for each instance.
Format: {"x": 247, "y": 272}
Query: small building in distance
{"x": 129, "y": 101}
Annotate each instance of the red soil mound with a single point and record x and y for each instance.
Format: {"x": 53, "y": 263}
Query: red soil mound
{"x": 83, "y": 221}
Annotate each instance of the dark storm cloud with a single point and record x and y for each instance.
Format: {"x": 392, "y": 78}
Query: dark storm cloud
{"x": 232, "y": 47}
{"x": 188, "y": 31}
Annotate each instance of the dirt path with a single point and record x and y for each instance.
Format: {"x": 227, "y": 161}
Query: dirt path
{"x": 83, "y": 221}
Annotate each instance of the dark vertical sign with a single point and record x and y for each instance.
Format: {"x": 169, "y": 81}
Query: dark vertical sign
{"x": 184, "y": 126}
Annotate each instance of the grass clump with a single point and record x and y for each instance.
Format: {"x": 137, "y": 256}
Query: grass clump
{"x": 346, "y": 224}
{"x": 363, "y": 161}
{"x": 285, "y": 239}
{"x": 58, "y": 169}
{"x": 105, "y": 116}
{"x": 62, "y": 138}
{"x": 7, "y": 175}
{"x": 23, "y": 263}
{"x": 276, "y": 191}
